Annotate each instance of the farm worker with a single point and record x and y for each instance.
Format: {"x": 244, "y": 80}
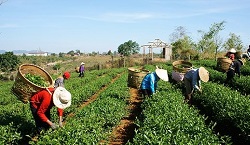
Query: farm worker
{"x": 149, "y": 82}
{"x": 43, "y": 101}
{"x": 234, "y": 69}
{"x": 192, "y": 81}
{"x": 60, "y": 80}
{"x": 81, "y": 70}
{"x": 231, "y": 51}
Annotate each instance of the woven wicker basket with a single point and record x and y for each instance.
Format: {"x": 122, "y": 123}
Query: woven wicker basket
{"x": 77, "y": 69}
{"x": 182, "y": 66}
{"x": 22, "y": 88}
{"x": 135, "y": 77}
{"x": 223, "y": 64}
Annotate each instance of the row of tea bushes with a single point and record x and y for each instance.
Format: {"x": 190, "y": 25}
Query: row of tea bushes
{"x": 167, "y": 120}
{"x": 94, "y": 123}
{"x": 16, "y": 119}
{"x": 226, "y": 107}
{"x": 83, "y": 88}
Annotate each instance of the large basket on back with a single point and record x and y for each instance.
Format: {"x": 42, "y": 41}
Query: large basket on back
{"x": 135, "y": 77}
{"x": 223, "y": 64}
{"x": 182, "y": 66}
{"x": 22, "y": 88}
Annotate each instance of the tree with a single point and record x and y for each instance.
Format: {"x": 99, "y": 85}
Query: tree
{"x": 71, "y": 53}
{"x": 3, "y": 2}
{"x": 183, "y": 46}
{"x": 179, "y": 33}
{"x": 57, "y": 67}
{"x": 233, "y": 41}
{"x": 61, "y": 54}
{"x": 78, "y": 52}
{"x": 210, "y": 41}
{"x": 181, "y": 43}
{"x": 109, "y": 52}
{"x": 8, "y": 61}
{"x": 128, "y": 48}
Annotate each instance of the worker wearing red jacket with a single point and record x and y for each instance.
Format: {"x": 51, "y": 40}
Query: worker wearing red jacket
{"x": 43, "y": 101}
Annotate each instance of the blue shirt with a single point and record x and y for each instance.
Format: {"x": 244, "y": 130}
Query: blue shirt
{"x": 193, "y": 76}
{"x": 150, "y": 82}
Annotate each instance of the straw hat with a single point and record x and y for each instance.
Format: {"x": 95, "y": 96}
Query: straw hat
{"x": 203, "y": 74}
{"x": 82, "y": 63}
{"x": 62, "y": 98}
{"x": 162, "y": 74}
{"x": 232, "y": 50}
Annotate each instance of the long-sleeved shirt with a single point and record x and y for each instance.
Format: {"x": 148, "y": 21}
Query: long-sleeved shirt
{"x": 81, "y": 68}
{"x": 43, "y": 102}
{"x": 237, "y": 65}
{"x": 193, "y": 76}
{"x": 150, "y": 82}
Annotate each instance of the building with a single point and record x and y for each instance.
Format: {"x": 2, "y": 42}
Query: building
{"x": 37, "y": 53}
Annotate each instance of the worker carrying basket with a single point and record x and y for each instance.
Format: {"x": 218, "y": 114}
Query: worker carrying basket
{"x": 29, "y": 80}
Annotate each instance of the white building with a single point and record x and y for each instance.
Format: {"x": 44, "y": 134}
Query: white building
{"x": 37, "y": 53}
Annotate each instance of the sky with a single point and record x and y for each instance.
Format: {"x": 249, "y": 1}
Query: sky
{"x": 101, "y": 25}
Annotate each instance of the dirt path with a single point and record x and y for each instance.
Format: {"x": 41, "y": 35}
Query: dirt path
{"x": 126, "y": 130}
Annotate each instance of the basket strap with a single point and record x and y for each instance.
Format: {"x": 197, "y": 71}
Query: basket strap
{"x": 49, "y": 91}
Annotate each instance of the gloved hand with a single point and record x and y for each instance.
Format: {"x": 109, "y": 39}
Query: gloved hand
{"x": 60, "y": 124}
{"x": 54, "y": 126}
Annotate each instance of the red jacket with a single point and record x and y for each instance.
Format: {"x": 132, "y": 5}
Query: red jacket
{"x": 43, "y": 101}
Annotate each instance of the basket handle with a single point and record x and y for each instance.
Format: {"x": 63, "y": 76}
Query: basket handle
{"x": 49, "y": 91}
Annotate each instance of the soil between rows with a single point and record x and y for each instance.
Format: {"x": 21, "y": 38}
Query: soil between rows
{"x": 125, "y": 131}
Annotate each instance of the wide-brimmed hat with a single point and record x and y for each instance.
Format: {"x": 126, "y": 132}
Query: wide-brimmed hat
{"x": 232, "y": 50}
{"x": 61, "y": 98}
{"x": 82, "y": 63}
{"x": 162, "y": 74}
{"x": 203, "y": 74}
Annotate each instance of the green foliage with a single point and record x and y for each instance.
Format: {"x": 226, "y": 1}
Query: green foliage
{"x": 210, "y": 41}
{"x": 183, "y": 48}
{"x": 37, "y": 79}
{"x": 128, "y": 48}
{"x": 233, "y": 41}
{"x": 71, "y": 53}
{"x": 57, "y": 66}
{"x": 167, "y": 120}
{"x": 8, "y": 61}
{"x": 227, "y": 107}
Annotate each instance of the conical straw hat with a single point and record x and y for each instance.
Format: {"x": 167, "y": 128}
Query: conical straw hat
{"x": 162, "y": 74}
{"x": 203, "y": 74}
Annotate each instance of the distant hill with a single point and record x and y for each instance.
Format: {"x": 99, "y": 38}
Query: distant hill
{"x": 18, "y": 51}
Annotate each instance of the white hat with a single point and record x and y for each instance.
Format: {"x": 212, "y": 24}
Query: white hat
{"x": 61, "y": 98}
{"x": 82, "y": 63}
{"x": 162, "y": 74}
{"x": 232, "y": 50}
{"x": 203, "y": 74}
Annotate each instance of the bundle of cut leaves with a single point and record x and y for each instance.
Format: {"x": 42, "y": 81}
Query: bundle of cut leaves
{"x": 37, "y": 79}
